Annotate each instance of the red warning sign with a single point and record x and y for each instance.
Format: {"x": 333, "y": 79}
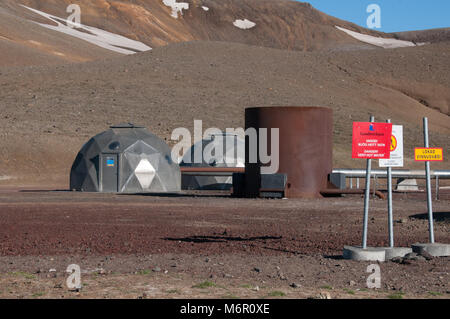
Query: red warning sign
{"x": 371, "y": 140}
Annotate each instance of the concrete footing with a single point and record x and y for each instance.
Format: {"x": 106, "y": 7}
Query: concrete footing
{"x": 393, "y": 252}
{"x": 435, "y": 250}
{"x": 368, "y": 254}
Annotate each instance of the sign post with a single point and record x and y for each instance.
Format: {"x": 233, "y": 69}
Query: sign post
{"x": 370, "y": 141}
{"x": 426, "y": 155}
{"x": 390, "y": 213}
{"x": 396, "y": 160}
{"x": 427, "y": 168}
{"x": 367, "y": 196}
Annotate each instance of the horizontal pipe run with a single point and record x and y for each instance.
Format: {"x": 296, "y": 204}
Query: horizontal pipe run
{"x": 350, "y": 173}
{"x": 442, "y": 174}
{"x": 349, "y": 192}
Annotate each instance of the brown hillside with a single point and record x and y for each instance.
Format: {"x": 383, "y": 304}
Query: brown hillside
{"x": 48, "y": 112}
{"x": 281, "y": 24}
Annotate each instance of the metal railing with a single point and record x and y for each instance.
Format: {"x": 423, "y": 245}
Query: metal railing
{"x": 396, "y": 173}
{"x": 347, "y": 172}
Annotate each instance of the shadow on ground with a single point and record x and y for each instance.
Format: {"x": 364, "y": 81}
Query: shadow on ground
{"x": 437, "y": 216}
{"x": 219, "y": 239}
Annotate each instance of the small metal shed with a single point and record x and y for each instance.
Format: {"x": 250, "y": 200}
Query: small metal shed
{"x": 125, "y": 159}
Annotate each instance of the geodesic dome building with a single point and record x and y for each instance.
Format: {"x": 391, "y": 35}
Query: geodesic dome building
{"x": 125, "y": 159}
{"x": 230, "y": 153}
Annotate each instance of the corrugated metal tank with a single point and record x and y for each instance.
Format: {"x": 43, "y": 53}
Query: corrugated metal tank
{"x": 305, "y": 147}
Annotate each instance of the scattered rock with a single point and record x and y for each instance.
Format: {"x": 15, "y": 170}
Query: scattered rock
{"x": 294, "y": 285}
{"x": 323, "y": 295}
{"x": 227, "y": 276}
{"x": 406, "y": 261}
{"x": 352, "y": 283}
{"x": 52, "y": 270}
{"x": 156, "y": 269}
{"x": 255, "y": 288}
{"x": 101, "y": 271}
{"x": 410, "y": 256}
{"x": 206, "y": 259}
{"x": 426, "y": 255}
{"x": 420, "y": 258}
{"x": 397, "y": 260}
{"x": 257, "y": 269}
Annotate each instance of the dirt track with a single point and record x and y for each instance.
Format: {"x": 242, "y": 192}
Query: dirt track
{"x": 209, "y": 238}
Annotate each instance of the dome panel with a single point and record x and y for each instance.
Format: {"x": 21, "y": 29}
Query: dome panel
{"x": 127, "y": 159}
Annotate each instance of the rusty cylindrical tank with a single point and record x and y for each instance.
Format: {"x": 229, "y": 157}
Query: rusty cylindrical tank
{"x": 305, "y": 148}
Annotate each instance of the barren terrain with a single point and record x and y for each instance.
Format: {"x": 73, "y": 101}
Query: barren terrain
{"x": 57, "y": 91}
{"x": 49, "y": 112}
{"x": 209, "y": 245}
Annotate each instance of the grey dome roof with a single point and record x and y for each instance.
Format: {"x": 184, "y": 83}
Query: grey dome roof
{"x": 232, "y": 155}
{"x": 143, "y": 162}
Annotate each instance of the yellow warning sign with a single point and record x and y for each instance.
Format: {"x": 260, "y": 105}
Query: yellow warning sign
{"x": 422, "y": 154}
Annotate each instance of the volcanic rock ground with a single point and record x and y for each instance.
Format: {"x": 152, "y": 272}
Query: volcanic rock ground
{"x": 208, "y": 245}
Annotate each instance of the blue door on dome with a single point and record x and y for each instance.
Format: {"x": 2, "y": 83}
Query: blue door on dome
{"x": 109, "y": 175}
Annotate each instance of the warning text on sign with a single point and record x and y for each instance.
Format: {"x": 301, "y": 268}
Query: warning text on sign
{"x": 371, "y": 140}
{"x": 422, "y": 154}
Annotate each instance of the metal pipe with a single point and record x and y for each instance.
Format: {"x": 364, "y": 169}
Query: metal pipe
{"x": 367, "y": 197}
{"x": 396, "y": 173}
{"x": 349, "y": 192}
{"x": 427, "y": 169}
{"x": 390, "y": 209}
{"x": 375, "y": 184}
{"x": 437, "y": 187}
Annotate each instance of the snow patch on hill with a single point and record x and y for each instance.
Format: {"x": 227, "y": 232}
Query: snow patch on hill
{"x": 177, "y": 7}
{"x": 99, "y": 37}
{"x": 244, "y": 24}
{"x": 378, "y": 41}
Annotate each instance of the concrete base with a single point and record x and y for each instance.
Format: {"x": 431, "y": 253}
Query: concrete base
{"x": 368, "y": 254}
{"x": 407, "y": 185}
{"x": 393, "y": 252}
{"x": 435, "y": 250}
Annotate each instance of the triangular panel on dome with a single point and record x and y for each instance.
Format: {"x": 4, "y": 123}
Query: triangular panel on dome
{"x": 129, "y": 156}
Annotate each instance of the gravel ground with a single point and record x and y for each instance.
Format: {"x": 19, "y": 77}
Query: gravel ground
{"x": 230, "y": 246}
